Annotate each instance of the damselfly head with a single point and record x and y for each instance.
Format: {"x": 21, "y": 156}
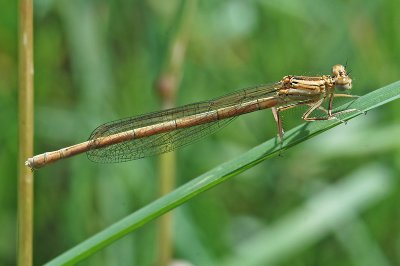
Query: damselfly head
{"x": 342, "y": 80}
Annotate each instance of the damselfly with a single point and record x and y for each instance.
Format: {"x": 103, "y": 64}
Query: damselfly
{"x": 163, "y": 131}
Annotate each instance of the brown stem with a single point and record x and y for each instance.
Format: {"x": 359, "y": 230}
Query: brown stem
{"x": 25, "y": 176}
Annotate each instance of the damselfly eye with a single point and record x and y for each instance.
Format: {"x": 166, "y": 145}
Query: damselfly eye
{"x": 338, "y": 71}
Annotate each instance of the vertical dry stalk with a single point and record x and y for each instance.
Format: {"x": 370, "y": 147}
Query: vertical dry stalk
{"x": 167, "y": 85}
{"x": 25, "y": 175}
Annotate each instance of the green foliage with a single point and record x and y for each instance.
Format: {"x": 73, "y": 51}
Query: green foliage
{"x": 97, "y": 61}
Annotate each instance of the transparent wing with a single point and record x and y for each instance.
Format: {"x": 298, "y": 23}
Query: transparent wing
{"x": 168, "y": 141}
{"x": 155, "y": 144}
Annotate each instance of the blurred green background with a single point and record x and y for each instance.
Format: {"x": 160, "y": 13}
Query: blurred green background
{"x": 97, "y": 61}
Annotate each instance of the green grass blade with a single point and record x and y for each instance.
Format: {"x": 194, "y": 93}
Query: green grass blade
{"x": 313, "y": 221}
{"x": 220, "y": 174}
